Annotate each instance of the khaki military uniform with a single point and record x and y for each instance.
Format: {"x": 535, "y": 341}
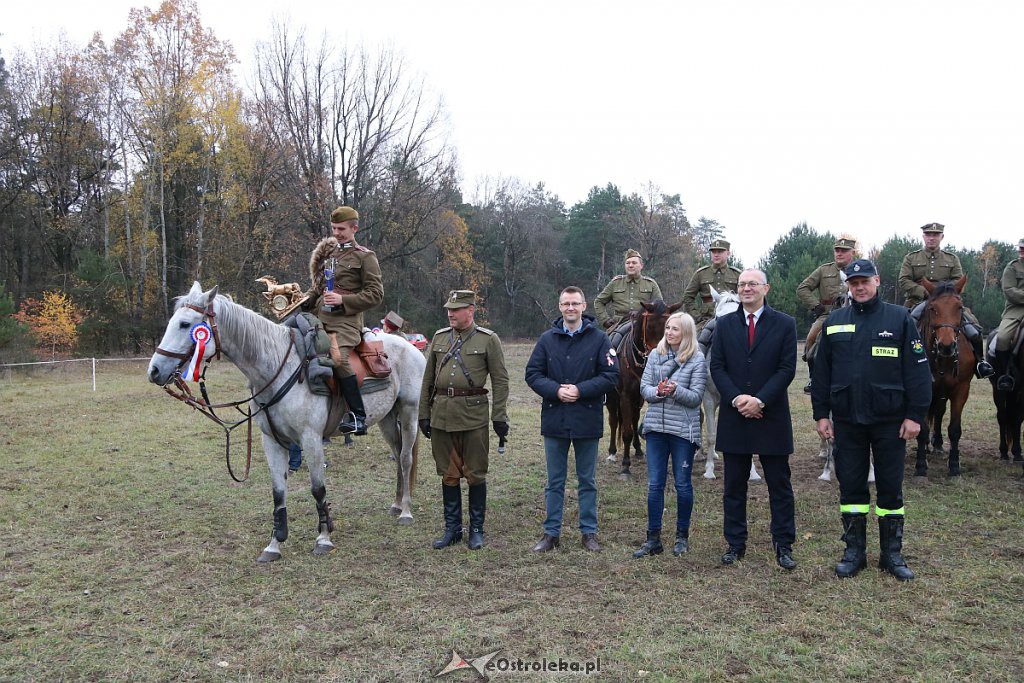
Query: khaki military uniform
{"x": 357, "y": 278}
{"x": 697, "y": 299}
{"x": 936, "y": 266}
{"x": 1013, "y": 312}
{"x": 453, "y": 396}
{"x": 820, "y": 288}
{"x": 622, "y": 295}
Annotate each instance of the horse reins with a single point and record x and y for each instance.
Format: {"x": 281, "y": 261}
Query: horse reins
{"x": 204, "y": 406}
{"x": 636, "y": 359}
{"x": 933, "y": 342}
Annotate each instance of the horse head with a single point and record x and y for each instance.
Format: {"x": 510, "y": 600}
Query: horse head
{"x": 725, "y": 302}
{"x": 180, "y": 337}
{"x": 650, "y": 321}
{"x": 942, "y": 316}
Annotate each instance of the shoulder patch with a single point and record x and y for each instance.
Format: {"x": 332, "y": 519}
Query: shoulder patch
{"x": 484, "y": 330}
{"x": 443, "y": 330}
{"x": 917, "y": 347}
{"x": 734, "y": 268}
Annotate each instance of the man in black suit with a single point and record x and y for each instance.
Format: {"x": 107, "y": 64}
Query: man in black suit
{"x": 753, "y": 362}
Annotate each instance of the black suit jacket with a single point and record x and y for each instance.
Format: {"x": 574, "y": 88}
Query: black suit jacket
{"x": 765, "y": 371}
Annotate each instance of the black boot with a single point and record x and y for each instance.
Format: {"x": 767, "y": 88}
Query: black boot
{"x": 354, "y": 421}
{"x": 855, "y": 533}
{"x": 682, "y": 542}
{"x": 810, "y": 374}
{"x": 890, "y": 541}
{"x": 1005, "y": 381}
{"x": 983, "y": 369}
{"x": 653, "y": 545}
{"x": 452, "y": 497}
{"x": 477, "y": 511}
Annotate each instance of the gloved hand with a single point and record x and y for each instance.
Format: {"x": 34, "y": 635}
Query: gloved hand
{"x": 817, "y": 310}
{"x": 425, "y": 427}
{"x": 500, "y": 428}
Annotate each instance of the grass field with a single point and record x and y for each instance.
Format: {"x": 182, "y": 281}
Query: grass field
{"x": 128, "y": 554}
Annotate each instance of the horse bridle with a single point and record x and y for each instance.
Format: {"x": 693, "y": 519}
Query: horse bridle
{"x": 208, "y": 316}
{"x": 637, "y": 357}
{"x": 933, "y": 342}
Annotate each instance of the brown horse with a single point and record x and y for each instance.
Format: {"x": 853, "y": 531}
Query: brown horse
{"x": 952, "y": 363}
{"x": 646, "y": 330}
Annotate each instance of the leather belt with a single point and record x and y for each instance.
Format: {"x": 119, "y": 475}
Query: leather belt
{"x": 826, "y": 302}
{"x": 707, "y": 299}
{"x": 473, "y": 391}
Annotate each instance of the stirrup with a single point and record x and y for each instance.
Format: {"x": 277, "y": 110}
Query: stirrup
{"x": 352, "y": 424}
{"x": 983, "y": 370}
{"x": 1006, "y": 382}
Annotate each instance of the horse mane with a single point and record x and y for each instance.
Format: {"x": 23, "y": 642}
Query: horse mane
{"x": 944, "y": 288}
{"x": 254, "y": 336}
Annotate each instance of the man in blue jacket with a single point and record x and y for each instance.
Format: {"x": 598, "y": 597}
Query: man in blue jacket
{"x": 572, "y": 367}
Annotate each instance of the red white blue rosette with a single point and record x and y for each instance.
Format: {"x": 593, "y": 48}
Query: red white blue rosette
{"x": 202, "y": 337}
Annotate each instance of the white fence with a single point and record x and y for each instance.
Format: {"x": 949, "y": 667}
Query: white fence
{"x": 93, "y": 361}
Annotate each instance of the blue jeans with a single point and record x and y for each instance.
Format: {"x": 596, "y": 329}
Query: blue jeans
{"x": 556, "y": 451}
{"x": 661, "y": 446}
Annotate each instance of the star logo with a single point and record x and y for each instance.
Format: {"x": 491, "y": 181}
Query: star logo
{"x": 460, "y": 662}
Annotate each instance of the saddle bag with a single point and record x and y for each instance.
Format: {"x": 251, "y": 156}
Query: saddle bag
{"x": 373, "y": 357}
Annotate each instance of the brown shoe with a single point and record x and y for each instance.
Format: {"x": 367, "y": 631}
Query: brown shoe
{"x": 589, "y": 542}
{"x": 546, "y": 545}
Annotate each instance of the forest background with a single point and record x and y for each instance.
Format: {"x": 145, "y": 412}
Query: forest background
{"x": 130, "y": 169}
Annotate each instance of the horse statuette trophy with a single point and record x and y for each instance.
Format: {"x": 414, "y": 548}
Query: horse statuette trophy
{"x": 283, "y": 299}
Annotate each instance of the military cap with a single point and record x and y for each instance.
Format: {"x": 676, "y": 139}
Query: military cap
{"x": 845, "y": 243}
{"x": 719, "y": 244}
{"x": 934, "y": 227}
{"x": 633, "y": 253}
{"x": 394, "y": 320}
{"x": 862, "y": 267}
{"x": 344, "y": 213}
{"x": 460, "y": 298}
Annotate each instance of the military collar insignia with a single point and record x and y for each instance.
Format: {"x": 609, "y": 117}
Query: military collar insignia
{"x": 348, "y": 245}
{"x": 885, "y": 334}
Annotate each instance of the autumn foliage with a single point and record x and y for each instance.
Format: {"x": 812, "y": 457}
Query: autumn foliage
{"x": 53, "y": 320}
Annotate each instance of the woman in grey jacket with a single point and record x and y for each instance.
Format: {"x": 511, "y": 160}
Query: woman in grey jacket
{"x": 673, "y": 385}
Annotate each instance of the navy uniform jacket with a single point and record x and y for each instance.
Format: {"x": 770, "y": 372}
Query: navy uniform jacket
{"x": 871, "y": 366}
{"x": 764, "y": 371}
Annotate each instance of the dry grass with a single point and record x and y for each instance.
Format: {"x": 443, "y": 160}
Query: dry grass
{"x": 129, "y": 554}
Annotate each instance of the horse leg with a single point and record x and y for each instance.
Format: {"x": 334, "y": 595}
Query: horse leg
{"x": 403, "y": 441}
{"x": 637, "y": 405}
{"x": 825, "y": 451}
{"x": 312, "y": 443}
{"x": 277, "y": 460}
{"x": 754, "y": 476}
{"x": 940, "y": 412}
{"x": 711, "y": 427}
{"x": 627, "y": 430}
{"x": 921, "y": 467}
{"x": 612, "y": 404}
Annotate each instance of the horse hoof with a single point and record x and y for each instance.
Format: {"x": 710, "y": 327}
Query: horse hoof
{"x": 920, "y": 472}
{"x": 395, "y": 510}
{"x": 405, "y": 520}
{"x": 755, "y": 478}
{"x": 1005, "y": 456}
{"x": 1018, "y": 458}
{"x": 954, "y": 470}
{"x": 709, "y": 475}
{"x": 612, "y": 458}
{"x": 625, "y": 476}
{"x": 323, "y": 549}
{"x": 266, "y": 557}
{"x": 824, "y": 477}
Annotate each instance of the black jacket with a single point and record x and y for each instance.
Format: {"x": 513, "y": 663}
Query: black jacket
{"x": 871, "y": 366}
{"x": 583, "y": 359}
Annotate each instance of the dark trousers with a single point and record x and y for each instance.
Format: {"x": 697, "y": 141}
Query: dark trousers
{"x": 780, "y": 496}
{"x": 854, "y": 442}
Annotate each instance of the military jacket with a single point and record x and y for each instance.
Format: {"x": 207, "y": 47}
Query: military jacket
{"x": 822, "y": 286}
{"x": 936, "y": 265}
{"x": 623, "y": 294}
{"x": 697, "y": 297}
{"x": 356, "y": 277}
{"x": 479, "y": 356}
{"x": 1013, "y": 287}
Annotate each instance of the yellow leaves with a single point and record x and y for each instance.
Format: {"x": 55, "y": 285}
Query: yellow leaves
{"x": 54, "y": 321}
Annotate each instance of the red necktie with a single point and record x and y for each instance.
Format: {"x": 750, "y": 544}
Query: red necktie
{"x": 750, "y": 330}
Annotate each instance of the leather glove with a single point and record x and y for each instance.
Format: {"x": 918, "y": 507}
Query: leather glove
{"x": 817, "y": 310}
{"x": 500, "y": 428}
{"x": 425, "y": 427}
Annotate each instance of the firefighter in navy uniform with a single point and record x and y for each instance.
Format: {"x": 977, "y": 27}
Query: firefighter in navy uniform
{"x": 871, "y": 392}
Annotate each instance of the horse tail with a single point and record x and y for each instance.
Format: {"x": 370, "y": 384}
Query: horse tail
{"x": 412, "y": 470}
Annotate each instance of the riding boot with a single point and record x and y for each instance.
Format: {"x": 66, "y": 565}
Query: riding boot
{"x": 477, "y": 511}
{"x": 810, "y": 375}
{"x": 1005, "y": 381}
{"x": 452, "y": 497}
{"x": 653, "y": 545}
{"x": 983, "y": 369}
{"x": 855, "y": 531}
{"x": 890, "y": 541}
{"x": 354, "y": 421}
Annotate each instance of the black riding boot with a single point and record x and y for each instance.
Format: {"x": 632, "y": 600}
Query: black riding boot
{"x": 1005, "y": 381}
{"x": 452, "y": 497}
{"x": 890, "y": 541}
{"x": 653, "y": 545}
{"x": 477, "y": 512}
{"x": 855, "y": 533}
{"x": 354, "y": 421}
{"x": 983, "y": 369}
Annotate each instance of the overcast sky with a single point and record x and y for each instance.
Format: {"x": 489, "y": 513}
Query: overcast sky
{"x": 868, "y": 117}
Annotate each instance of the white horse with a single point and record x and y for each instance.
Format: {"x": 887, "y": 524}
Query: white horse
{"x": 725, "y": 303}
{"x": 262, "y": 351}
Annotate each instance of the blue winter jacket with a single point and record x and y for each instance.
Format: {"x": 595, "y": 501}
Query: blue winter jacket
{"x": 584, "y": 359}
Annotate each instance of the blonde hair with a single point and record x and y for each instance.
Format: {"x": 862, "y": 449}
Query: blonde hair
{"x": 688, "y": 344}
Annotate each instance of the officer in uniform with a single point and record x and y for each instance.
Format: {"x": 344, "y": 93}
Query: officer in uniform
{"x": 938, "y": 265}
{"x": 819, "y": 291}
{"x": 625, "y": 293}
{"x": 1013, "y": 312}
{"x": 871, "y": 392}
{"x": 358, "y": 287}
{"x": 719, "y": 274}
{"x": 453, "y": 413}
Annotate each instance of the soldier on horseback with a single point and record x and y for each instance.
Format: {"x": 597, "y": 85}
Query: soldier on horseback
{"x": 1013, "y": 289}
{"x": 346, "y": 282}
{"x": 819, "y": 292}
{"x": 625, "y": 293}
{"x": 697, "y": 300}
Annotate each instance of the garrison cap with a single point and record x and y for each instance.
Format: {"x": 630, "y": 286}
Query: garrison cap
{"x": 460, "y": 298}
{"x": 344, "y": 213}
{"x": 934, "y": 227}
{"x": 862, "y": 267}
{"x": 633, "y": 253}
{"x": 845, "y": 243}
{"x": 719, "y": 244}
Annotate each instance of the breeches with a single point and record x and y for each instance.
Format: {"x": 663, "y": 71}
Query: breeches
{"x": 812, "y": 335}
{"x": 1008, "y": 327}
{"x": 460, "y": 454}
{"x": 854, "y": 444}
{"x": 339, "y": 354}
